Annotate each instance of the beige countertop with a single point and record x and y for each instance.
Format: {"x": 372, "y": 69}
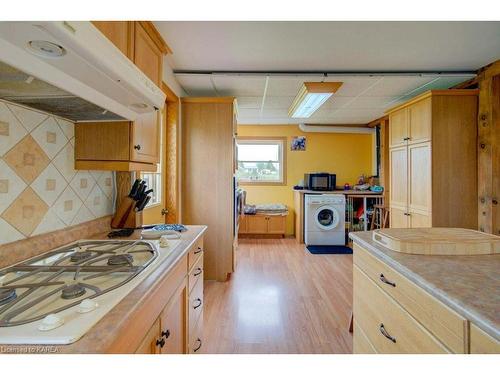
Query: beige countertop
{"x": 102, "y": 335}
{"x": 345, "y": 192}
{"x": 468, "y": 284}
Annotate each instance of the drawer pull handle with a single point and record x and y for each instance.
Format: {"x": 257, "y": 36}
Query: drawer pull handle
{"x": 384, "y": 280}
{"x": 160, "y": 343}
{"x": 199, "y": 346}
{"x": 199, "y": 250}
{"x": 166, "y": 333}
{"x": 385, "y": 333}
{"x": 199, "y": 303}
{"x": 198, "y": 272}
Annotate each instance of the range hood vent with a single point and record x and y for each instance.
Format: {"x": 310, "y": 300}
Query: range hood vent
{"x": 70, "y": 69}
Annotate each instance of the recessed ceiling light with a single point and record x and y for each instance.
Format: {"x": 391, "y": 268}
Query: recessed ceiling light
{"x": 44, "y": 48}
{"x": 311, "y": 96}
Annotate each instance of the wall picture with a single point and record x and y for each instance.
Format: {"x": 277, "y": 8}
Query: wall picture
{"x": 298, "y": 143}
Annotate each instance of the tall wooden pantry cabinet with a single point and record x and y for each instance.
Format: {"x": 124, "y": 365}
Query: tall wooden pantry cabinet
{"x": 433, "y": 160}
{"x": 208, "y": 157}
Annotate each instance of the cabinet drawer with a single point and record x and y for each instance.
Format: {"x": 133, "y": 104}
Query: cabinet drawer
{"x": 195, "y": 273}
{"x": 195, "y": 305}
{"x": 387, "y": 325}
{"x": 449, "y": 327}
{"x": 195, "y": 253}
{"x": 361, "y": 344}
{"x": 482, "y": 343}
{"x": 196, "y": 337}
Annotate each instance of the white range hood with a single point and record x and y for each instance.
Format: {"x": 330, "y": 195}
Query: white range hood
{"x": 72, "y": 70}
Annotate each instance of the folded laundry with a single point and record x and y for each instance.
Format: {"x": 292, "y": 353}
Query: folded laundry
{"x": 266, "y": 209}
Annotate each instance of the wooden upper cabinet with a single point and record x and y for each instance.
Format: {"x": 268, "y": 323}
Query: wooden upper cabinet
{"x": 120, "y": 33}
{"x": 147, "y": 56}
{"x": 398, "y": 129}
{"x": 420, "y": 121}
{"x": 145, "y": 140}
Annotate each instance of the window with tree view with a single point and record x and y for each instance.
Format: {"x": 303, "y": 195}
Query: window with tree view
{"x": 260, "y": 160}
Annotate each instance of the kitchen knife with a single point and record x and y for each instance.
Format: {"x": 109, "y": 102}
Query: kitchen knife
{"x": 135, "y": 186}
{"x": 140, "y": 206}
{"x": 140, "y": 191}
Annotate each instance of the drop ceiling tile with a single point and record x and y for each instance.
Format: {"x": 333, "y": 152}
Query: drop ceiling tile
{"x": 27, "y": 159}
{"x": 49, "y": 184}
{"x": 369, "y": 102}
{"x": 67, "y": 127}
{"x": 26, "y": 212}
{"x": 275, "y": 113}
{"x": 278, "y": 102}
{"x": 337, "y": 102}
{"x": 9, "y": 233}
{"x": 11, "y": 185}
{"x": 49, "y": 137}
{"x": 67, "y": 205}
{"x": 105, "y": 182}
{"x": 249, "y": 102}
{"x": 98, "y": 203}
{"x": 397, "y": 85}
{"x": 83, "y": 215}
{"x": 64, "y": 162}
{"x": 49, "y": 223}
{"x": 239, "y": 86}
{"x": 354, "y": 86}
{"x": 11, "y": 130}
{"x": 196, "y": 85}
{"x": 82, "y": 183}
{"x": 288, "y": 85}
{"x": 247, "y": 112}
{"x": 29, "y": 118}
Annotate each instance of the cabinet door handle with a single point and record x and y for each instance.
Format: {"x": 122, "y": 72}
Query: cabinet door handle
{"x": 384, "y": 280}
{"x": 406, "y": 138}
{"x": 199, "y": 303}
{"x": 160, "y": 343}
{"x": 198, "y": 272}
{"x": 137, "y": 147}
{"x": 166, "y": 333}
{"x": 385, "y": 333}
{"x": 407, "y": 214}
{"x": 199, "y": 250}
{"x": 199, "y": 346}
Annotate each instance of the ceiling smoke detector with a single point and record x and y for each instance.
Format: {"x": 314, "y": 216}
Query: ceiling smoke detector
{"x": 44, "y": 48}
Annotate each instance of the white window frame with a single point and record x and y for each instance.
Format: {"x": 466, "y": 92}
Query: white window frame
{"x": 281, "y": 142}
{"x": 156, "y": 176}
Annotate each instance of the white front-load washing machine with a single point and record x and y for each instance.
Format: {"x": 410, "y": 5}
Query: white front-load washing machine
{"x": 324, "y": 222}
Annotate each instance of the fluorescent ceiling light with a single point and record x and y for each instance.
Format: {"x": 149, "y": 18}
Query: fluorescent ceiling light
{"x": 311, "y": 96}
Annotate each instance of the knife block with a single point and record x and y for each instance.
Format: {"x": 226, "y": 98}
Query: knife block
{"x": 126, "y": 217}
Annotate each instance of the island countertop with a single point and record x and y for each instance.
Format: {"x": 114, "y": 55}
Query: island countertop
{"x": 468, "y": 284}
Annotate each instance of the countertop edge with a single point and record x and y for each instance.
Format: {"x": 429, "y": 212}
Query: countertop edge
{"x": 471, "y": 315}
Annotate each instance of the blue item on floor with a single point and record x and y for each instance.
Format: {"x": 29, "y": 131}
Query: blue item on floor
{"x": 176, "y": 227}
{"x": 337, "y": 249}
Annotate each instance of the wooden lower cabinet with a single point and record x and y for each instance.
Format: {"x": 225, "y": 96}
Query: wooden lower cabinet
{"x": 398, "y": 218}
{"x": 195, "y": 304}
{"x": 148, "y": 344}
{"x": 172, "y": 324}
{"x": 263, "y": 224}
{"x": 482, "y": 343}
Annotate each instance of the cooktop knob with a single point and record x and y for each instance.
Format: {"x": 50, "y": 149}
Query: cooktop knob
{"x": 51, "y": 321}
{"x": 87, "y": 305}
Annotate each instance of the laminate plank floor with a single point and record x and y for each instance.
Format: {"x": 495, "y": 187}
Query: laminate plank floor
{"x": 280, "y": 299}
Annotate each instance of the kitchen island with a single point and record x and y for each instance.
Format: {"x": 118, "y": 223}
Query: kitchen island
{"x": 156, "y": 316}
{"x": 406, "y": 303}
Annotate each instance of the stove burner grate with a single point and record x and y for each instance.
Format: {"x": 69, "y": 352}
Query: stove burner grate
{"x": 7, "y": 295}
{"x": 78, "y": 256}
{"x": 73, "y": 291}
{"x": 120, "y": 260}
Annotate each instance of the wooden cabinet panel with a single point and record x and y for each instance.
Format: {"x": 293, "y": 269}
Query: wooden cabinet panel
{"x": 420, "y": 121}
{"x": 398, "y": 219}
{"x": 420, "y": 179}
{"x": 398, "y": 128}
{"x": 102, "y": 141}
{"x": 276, "y": 224}
{"x": 120, "y": 33}
{"x": 387, "y": 325}
{"x": 360, "y": 343}
{"x": 147, "y": 56}
{"x": 196, "y": 338}
{"x": 195, "y": 305}
{"x": 444, "y": 323}
{"x": 145, "y": 141}
{"x": 195, "y": 253}
{"x": 173, "y": 330}
{"x": 195, "y": 274}
{"x": 257, "y": 224}
{"x": 148, "y": 344}
{"x": 420, "y": 220}
{"x": 482, "y": 343}
{"x": 399, "y": 176}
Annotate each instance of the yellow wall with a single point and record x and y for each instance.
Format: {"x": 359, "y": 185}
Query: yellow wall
{"x": 346, "y": 155}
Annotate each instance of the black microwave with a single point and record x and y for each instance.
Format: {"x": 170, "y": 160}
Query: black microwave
{"x": 320, "y": 181}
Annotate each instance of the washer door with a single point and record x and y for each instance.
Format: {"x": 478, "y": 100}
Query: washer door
{"x": 326, "y": 217}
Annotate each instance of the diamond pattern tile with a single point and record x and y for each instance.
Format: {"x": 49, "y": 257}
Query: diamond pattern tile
{"x": 29, "y": 119}
{"x": 49, "y": 137}
{"x": 11, "y": 185}
{"x": 82, "y": 184}
{"x": 49, "y": 223}
{"x": 105, "y": 182}
{"x": 67, "y": 127}
{"x": 9, "y": 233}
{"x": 67, "y": 205}
{"x": 83, "y": 215}
{"x": 11, "y": 130}
{"x": 27, "y": 159}
{"x": 65, "y": 163}
{"x": 49, "y": 184}
{"x": 98, "y": 203}
{"x": 26, "y": 212}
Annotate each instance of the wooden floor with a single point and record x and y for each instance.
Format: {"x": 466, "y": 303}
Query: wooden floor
{"x": 281, "y": 299}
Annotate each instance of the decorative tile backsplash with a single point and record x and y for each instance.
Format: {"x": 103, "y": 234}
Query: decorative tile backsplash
{"x": 40, "y": 191}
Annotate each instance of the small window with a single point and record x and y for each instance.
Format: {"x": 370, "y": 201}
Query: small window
{"x": 261, "y": 161}
{"x": 153, "y": 179}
